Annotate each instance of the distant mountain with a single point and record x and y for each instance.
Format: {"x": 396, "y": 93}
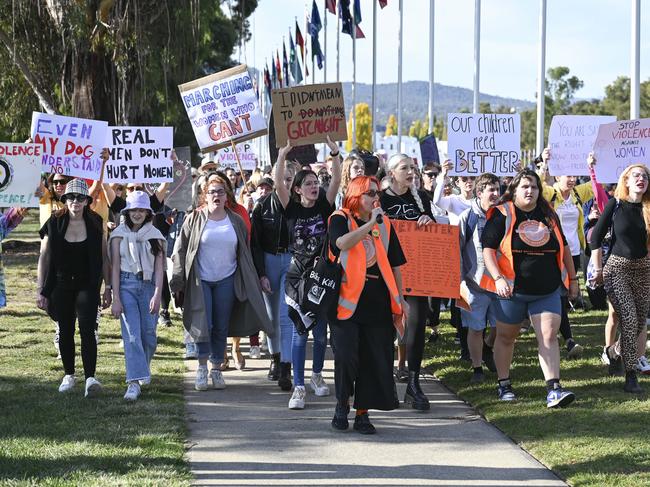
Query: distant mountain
{"x": 415, "y": 100}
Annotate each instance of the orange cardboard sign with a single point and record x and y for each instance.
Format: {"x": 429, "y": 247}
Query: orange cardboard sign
{"x": 433, "y": 259}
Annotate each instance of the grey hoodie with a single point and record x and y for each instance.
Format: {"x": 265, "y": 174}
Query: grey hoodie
{"x": 471, "y": 251}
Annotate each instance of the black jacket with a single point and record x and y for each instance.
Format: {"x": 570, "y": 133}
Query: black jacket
{"x": 269, "y": 231}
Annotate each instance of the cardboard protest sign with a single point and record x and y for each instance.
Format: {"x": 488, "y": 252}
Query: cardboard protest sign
{"x": 247, "y": 156}
{"x": 308, "y": 114}
{"x": 142, "y": 154}
{"x": 570, "y": 140}
{"x": 223, "y": 107}
{"x": 484, "y": 142}
{"x": 179, "y": 192}
{"x": 70, "y": 146}
{"x": 620, "y": 144}
{"x": 303, "y": 154}
{"x": 432, "y": 259}
{"x": 20, "y": 173}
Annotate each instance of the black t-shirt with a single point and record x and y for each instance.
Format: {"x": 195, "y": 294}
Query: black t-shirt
{"x": 159, "y": 221}
{"x": 534, "y": 249}
{"x": 373, "y": 307}
{"x": 404, "y": 206}
{"x": 307, "y": 228}
{"x": 630, "y": 235}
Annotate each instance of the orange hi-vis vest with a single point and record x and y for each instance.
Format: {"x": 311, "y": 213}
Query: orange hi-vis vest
{"x": 353, "y": 262}
{"x": 505, "y": 259}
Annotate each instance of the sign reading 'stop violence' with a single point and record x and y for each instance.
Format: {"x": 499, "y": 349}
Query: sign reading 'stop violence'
{"x": 484, "y": 142}
{"x": 247, "y": 157}
{"x": 620, "y": 144}
{"x": 223, "y": 107}
{"x": 308, "y": 114}
{"x": 70, "y": 146}
{"x": 20, "y": 172}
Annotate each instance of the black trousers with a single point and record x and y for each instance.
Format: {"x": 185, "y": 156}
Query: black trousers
{"x": 565, "y": 324}
{"x": 416, "y": 323}
{"x": 166, "y": 296}
{"x": 363, "y": 364}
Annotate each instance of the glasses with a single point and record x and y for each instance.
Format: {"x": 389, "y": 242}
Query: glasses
{"x": 76, "y": 197}
{"x": 372, "y": 193}
{"x": 218, "y": 192}
{"x": 430, "y": 174}
{"x": 59, "y": 182}
{"x": 310, "y": 183}
{"x": 134, "y": 188}
{"x": 639, "y": 175}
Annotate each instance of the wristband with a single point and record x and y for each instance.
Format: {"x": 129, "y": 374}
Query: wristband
{"x": 497, "y": 278}
{"x": 334, "y": 154}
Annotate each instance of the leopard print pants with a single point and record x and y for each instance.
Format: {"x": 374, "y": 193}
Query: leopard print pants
{"x": 627, "y": 283}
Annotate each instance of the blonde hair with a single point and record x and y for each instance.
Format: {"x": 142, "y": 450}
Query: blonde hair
{"x": 345, "y": 171}
{"x": 392, "y": 163}
{"x": 256, "y": 177}
{"x": 623, "y": 191}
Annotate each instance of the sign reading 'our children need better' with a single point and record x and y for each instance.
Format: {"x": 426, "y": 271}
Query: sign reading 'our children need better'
{"x": 223, "y": 107}
{"x": 620, "y": 144}
{"x": 20, "y": 172}
{"x": 308, "y": 114}
{"x": 70, "y": 146}
{"x": 484, "y": 142}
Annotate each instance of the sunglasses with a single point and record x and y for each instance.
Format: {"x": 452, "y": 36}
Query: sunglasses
{"x": 430, "y": 174}
{"x": 79, "y": 198}
{"x": 134, "y": 188}
{"x": 59, "y": 182}
{"x": 372, "y": 193}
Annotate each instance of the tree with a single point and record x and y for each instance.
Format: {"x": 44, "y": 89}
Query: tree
{"x": 391, "y": 126}
{"x": 415, "y": 128}
{"x": 364, "y": 129}
{"x": 560, "y": 89}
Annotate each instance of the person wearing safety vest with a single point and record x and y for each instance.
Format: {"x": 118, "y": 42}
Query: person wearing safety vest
{"x": 370, "y": 302}
{"x": 528, "y": 262}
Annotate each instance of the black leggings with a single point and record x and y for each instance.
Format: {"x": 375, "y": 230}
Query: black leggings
{"x": 418, "y": 309}
{"x": 565, "y": 324}
{"x": 166, "y": 294}
{"x": 70, "y": 305}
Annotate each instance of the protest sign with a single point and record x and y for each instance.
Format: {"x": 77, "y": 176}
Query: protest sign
{"x": 141, "y": 154}
{"x": 223, "y": 107}
{"x": 570, "y": 139}
{"x": 620, "y": 144}
{"x": 432, "y": 259}
{"x": 179, "y": 192}
{"x": 484, "y": 142}
{"x": 308, "y": 114}
{"x": 70, "y": 146}
{"x": 247, "y": 156}
{"x": 20, "y": 172}
{"x": 429, "y": 150}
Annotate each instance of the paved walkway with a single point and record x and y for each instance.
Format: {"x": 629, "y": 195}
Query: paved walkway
{"x": 246, "y": 435}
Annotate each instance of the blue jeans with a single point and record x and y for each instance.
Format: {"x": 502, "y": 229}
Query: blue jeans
{"x": 276, "y": 307}
{"x": 138, "y": 325}
{"x": 299, "y": 347}
{"x": 219, "y": 300}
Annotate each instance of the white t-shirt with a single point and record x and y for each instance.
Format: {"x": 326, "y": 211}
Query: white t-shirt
{"x": 569, "y": 215}
{"x": 217, "y": 255}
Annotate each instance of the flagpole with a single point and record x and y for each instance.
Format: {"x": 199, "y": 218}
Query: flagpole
{"x": 354, "y": 83}
{"x": 432, "y": 10}
{"x": 338, "y": 51}
{"x": 325, "y": 45}
{"x": 541, "y": 79}
{"x": 374, "y": 71}
{"x": 635, "y": 86}
{"x": 399, "y": 76}
{"x": 477, "y": 52}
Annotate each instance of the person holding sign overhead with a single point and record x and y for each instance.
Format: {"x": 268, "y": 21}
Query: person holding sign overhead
{"x": 8, "y": 221}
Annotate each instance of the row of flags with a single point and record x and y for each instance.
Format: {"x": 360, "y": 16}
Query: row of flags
{"x": 289, "y": 72}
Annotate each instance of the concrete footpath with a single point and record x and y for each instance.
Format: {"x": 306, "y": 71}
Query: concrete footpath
{"x": 246, "y": 435}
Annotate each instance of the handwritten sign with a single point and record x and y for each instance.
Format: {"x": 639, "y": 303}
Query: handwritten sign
{"x": 247, "y": 156}
{"x": 484, "y": 142}
{"x": 142, "y": 154}
{"x": 223, "y": 107}
{"x": 308, "y": 114}
{"x": 70, "y": 146}
{"x": 179, "y": 193}
{"x": 570, "y": 139}
{"x": 620, "y": 144}
{"x": 20, "y": 171}
{"x": 432, "y": 259}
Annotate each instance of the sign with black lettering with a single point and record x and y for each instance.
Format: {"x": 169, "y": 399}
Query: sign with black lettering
{"x": 139, "y": 154}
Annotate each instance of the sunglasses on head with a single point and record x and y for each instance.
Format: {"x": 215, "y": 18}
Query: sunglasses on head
{"x": 79, "y": 198}
{"x": 372, "y": 193}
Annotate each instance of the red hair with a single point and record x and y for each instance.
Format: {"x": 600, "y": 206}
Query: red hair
{"x": 356, "y": 188}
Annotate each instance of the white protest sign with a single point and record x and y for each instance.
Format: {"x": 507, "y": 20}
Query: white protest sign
{"x": 247, "y": 156}
{"x": 570, "y": 140}
{"x": 70, "y": 146}
{"x": 620, "y": 144}
{"x": 223, "y": 107}
{"x": 484, "y": 142}
{"x": 20, "y": 173}
{"x": 141, "y": 154}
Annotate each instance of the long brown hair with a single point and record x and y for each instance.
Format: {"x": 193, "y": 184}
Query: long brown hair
{"x": 509, "y": 195}
{"x": 622, "y": 191}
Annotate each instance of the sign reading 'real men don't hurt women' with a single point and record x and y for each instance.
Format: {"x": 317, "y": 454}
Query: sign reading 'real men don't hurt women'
{"x": 70, "y": 146}
{"x": 223, "y": 108}
{"x": 308, "y": 114}
{"x": 620, "y": 144}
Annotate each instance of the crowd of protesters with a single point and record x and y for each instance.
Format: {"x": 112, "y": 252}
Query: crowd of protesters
{"x": 237, "y": 260}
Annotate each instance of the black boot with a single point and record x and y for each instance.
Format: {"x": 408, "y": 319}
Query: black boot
{"x": 285, "y": 376}
{"x": 414, "y": 395}
{"x": 340, "y": 421}
{"x": 631, "y": 384}
{"x": 274, "y": 368}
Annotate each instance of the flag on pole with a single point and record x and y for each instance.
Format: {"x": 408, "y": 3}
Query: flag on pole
{"x": 300, "y": 41}
{"x": 267, "y": 81}
{"x": 383, "y": 3}
{"x": 314, "y": 28}
{"x": 296, "y": 72}
{"x": 347, "y": 22}
{"x": 285, "y": 64}
{"x": 278, "y": 68}
{"x": 274, "y": 75}
{"x": 331, "y": 6}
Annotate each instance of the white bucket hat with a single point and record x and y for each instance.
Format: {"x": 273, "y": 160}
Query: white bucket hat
{"x": 137, "y": 200}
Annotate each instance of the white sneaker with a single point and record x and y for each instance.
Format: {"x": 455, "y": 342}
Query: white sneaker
{"x": 642, "y": 366}
{"x": 201, "y": 383}
{"x": 145, "y": 382}
{"x": 67, "y": 384}
{"x": 218, "y": 381}
{"x": 191, "y": 352}
{"x": 93, "y": 387}
{"x": 255, "y": 352}
{"x": 97, "y": 337}
{"x": 132, "y": 391}
{"x": 604, "y": 358}
{"x": 297, "y": 400}
{"x": 318, "y": 385}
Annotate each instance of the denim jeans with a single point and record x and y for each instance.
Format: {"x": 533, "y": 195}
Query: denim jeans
{"x": 138, "y": 325}
{"x": 299, "y": 347}
{"x": 276, "y": 306}
{"x": 219, "y": 300}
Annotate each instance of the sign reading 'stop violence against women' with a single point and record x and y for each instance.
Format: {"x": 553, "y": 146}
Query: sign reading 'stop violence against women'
{"x": 70, "y": 146}
{"x": 308, "y": 114}
{"x": 484, "y": 142}
{"x": 20, "y": 173}
{"x": 223, "y": 107}
{"x": 620, "y": 144}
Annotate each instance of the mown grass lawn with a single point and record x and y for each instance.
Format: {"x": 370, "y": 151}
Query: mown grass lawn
{"x": 47, "y": 438}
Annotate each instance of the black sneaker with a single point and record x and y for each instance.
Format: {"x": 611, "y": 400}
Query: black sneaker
{"x": 401, "y": 374}
{"x": 363, "y": 425}
{"x": 477, "y": 377}
{"x": 164, "y": 319}
{"x": 488, "y": 358}
{"x": 574, "y": 350}
{"x": 433, "y": 338}
{"x": 340, "y": 420}
{"x": 615, "y": 367}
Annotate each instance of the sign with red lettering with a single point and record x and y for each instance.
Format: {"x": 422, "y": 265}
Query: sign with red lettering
{"x": 620, "y": 144}
{"x": 69, "y": 145}
{"x": 432, "y": 259}
{"x": 20, "y": 172}
{"x": 223, "y": 107}
{"x": 308, "y": 114}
